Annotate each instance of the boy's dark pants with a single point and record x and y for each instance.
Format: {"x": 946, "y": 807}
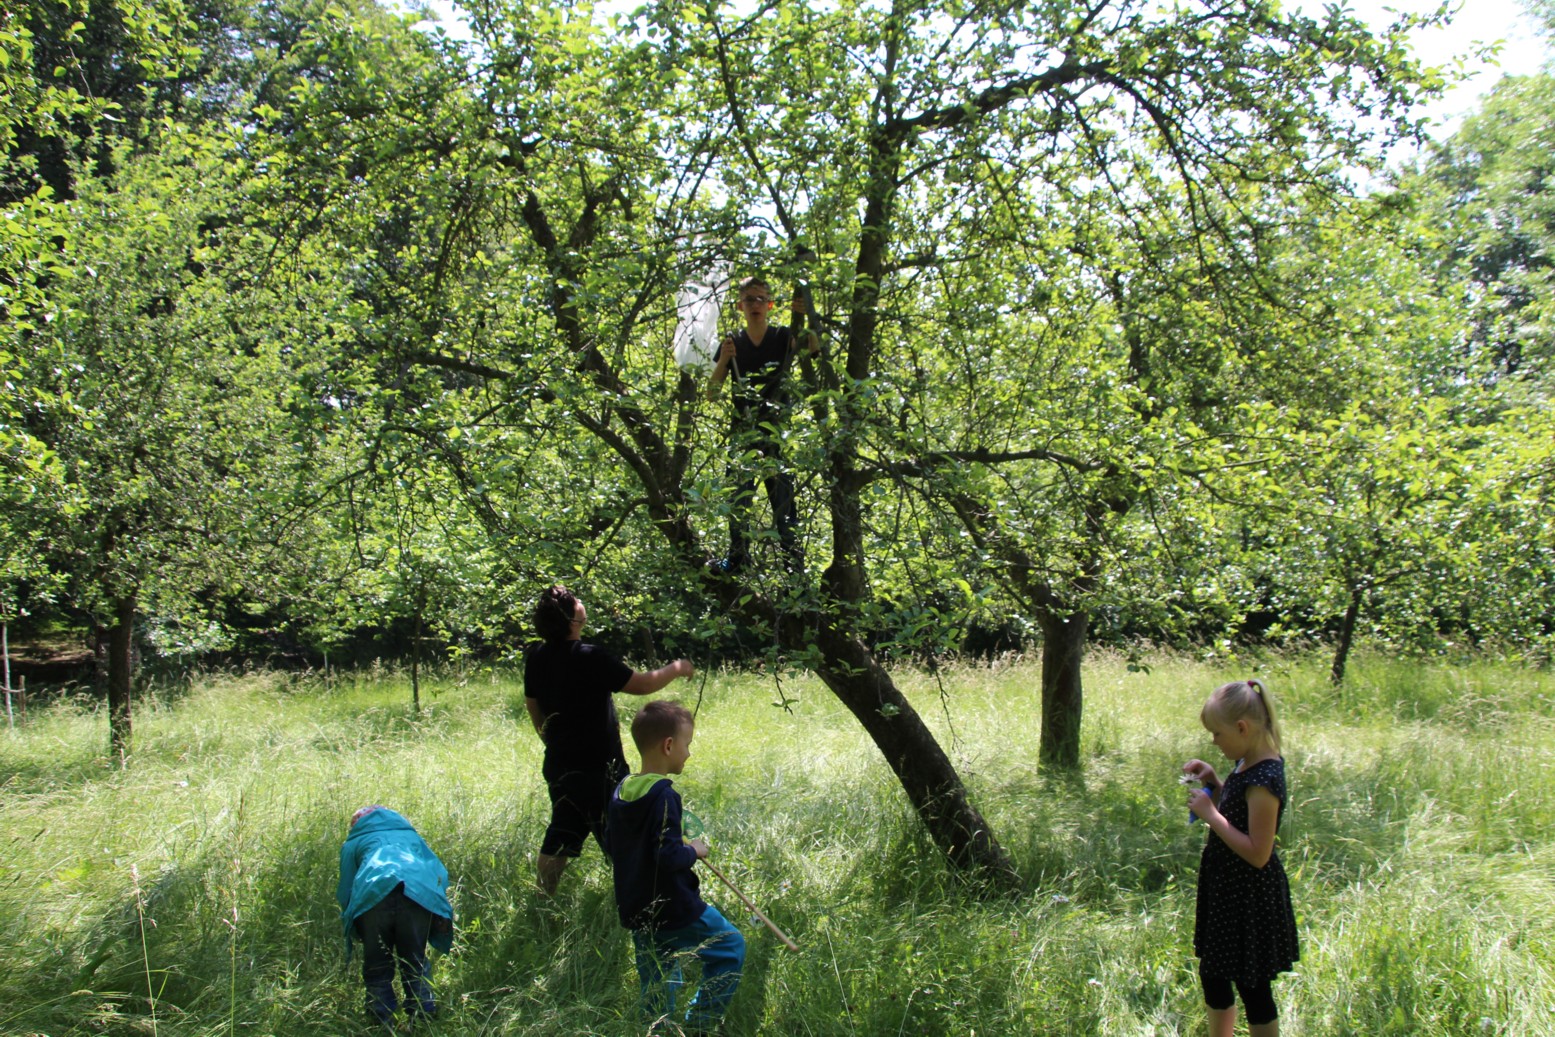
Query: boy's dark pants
{"x": 780, "y": 494}
{"x": 394, "y": 931}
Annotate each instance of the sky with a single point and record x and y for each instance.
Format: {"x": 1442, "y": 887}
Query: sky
{"x": 1478, "y": 21}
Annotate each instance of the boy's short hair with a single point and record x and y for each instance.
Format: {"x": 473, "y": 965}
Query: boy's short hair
{"x": 753, "y": 281}
{"x": 658, "y": 720}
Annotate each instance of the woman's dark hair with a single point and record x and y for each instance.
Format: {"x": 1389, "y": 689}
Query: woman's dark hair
{"x": 554, "y": 613}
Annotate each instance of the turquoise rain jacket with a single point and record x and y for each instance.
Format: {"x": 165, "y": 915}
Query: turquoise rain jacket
{"x": 382, "y": 851}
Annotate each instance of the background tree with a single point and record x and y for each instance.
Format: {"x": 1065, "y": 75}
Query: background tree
{"x": 582, "y": 216}
{"x": 921, "y": 151}
{"x": 52, "y": 107}
{"x": 157, "y": 394}
{"x": 1479, "y": 230}
{"x": 1486, "y": 199}
{"x": 1514, "y": 529}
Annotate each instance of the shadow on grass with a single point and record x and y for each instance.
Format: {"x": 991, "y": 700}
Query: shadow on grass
{"x": 72, "y": 768}
{"x": 249, "y": 935}
{"x": 1125, "y": 833}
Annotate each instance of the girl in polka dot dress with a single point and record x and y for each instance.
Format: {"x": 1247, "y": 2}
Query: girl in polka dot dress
{"x": 1245, "y": 928}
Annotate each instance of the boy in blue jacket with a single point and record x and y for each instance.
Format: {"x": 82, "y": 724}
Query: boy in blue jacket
{"x": 657, "y": 892}
{"x": 393, "y": 895}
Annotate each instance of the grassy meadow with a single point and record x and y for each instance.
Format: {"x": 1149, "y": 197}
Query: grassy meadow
{"x": 192, "y": 893}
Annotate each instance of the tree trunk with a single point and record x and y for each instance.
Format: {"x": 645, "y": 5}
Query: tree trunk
{"x": 1063, "y": 700}
{"x": 121, "y": 672}
{"x": 415, "y": 664}
{"x": 99, "y": 656}
{"x": 1346, "y": 638}
{"x": 846, "y": 665}
{"x": 925, "y": 772}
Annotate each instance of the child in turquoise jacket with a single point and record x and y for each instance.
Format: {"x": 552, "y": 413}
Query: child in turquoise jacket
{"x": 393, "y": 895}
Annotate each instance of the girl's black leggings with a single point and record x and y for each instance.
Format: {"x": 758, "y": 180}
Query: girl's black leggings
{"x": 1257, "y": 998}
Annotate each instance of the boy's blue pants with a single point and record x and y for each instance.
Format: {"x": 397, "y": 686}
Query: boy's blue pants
{"x": 718, "y": 945}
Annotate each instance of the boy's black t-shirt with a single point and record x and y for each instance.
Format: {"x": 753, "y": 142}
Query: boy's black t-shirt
{"x": 573, "y": 683}
{"x": 760, "y": 371}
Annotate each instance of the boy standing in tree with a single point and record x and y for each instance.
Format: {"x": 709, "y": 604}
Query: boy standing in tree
{"x": 657, "y": 892}
{"x": 758, "y": 358}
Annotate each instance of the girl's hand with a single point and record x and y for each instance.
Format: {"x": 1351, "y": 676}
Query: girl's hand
{"x": 1202, "y": 804}
{"x": 700, "y": 846}
{"x": 1202, "y": 773}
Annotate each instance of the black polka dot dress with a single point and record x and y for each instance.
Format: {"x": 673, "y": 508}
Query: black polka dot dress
{"x": 1244, "y": 926}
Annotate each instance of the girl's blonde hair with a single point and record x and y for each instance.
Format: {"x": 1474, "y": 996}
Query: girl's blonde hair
{"x": 1243, "y": 700}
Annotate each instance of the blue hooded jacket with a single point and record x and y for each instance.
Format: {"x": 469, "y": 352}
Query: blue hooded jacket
{"x": 655, "y": 877}
{"x": 382, "y": 851}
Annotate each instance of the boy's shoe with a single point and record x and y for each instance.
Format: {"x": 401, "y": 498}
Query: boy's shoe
{"x": 726, "y": 566}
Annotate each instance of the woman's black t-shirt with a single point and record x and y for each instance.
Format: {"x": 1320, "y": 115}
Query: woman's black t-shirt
{"x": 573, "y": 683}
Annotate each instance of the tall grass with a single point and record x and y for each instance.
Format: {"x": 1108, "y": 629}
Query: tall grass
{"x": 192, "y": 893}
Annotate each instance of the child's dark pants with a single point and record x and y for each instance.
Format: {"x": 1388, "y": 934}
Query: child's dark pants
{"x": 394, "y": 932}
{"x": 1257, "y": 998}
{"x": 780, "y": 494}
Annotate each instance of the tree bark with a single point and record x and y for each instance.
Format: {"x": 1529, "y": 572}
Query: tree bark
{"x": 121, "y": 672}
{"x": 415, "y": 665}
{"x": 1352, "y": 615}
{"x": 1063, "y": 698}
{"x": 921, "y": 766}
